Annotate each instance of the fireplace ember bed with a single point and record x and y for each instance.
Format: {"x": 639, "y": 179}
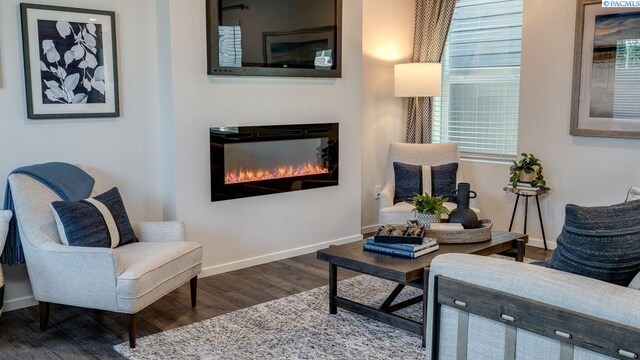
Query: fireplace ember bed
{"x": 260, "y": 160}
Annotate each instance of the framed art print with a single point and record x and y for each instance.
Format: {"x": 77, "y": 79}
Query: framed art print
{"x": 70, "y": 62}
{"x": 606, "y": 73}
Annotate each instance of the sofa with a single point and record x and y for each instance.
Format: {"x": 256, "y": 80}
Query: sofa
{"x": 488, "y": 308}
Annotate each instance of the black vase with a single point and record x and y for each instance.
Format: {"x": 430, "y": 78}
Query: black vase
{"x": 462, "y": 214}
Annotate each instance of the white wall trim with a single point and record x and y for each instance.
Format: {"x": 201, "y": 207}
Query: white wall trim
{"x": 551, "y": 244}
{"x": 262, "y": 259}
{"x": 15, "y": 304}
{"x": 369, "y": 229}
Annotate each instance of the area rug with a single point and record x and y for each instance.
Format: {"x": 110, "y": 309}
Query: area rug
{"x": 295, "y": 327}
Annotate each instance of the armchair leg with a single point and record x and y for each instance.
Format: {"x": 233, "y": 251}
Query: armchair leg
{"x": 193, "y": 285}
{"x": 45, "y": 309}
{"x": 132, "y": 331}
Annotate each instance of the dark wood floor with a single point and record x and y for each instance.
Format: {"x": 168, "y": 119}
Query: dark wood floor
{"x": 77, "y": 333}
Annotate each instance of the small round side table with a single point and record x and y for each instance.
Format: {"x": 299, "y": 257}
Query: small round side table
{"x": 527, "y": 193}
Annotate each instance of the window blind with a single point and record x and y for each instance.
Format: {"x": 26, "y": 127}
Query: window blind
{"x": 478, "y": 107}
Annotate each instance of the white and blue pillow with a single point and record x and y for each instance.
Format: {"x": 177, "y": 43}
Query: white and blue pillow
{"x": 100, "y": 221}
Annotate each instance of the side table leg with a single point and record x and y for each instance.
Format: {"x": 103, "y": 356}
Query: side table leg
{"x": 515, "y": 207}
{"x": 333, "y": 288}
{"x": 544, "y": 238}
{"x": 526, "y": 212}
{"x": 425, "y": 294}
{"x": 521, "y": 248}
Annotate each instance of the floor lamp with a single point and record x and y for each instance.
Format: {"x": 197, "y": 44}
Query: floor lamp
{"x": 417, "y": 80}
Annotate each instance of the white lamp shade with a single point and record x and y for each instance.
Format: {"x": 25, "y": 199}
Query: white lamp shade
{"x": 417, "y": 79}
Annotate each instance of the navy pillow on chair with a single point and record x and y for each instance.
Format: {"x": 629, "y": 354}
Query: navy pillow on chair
{"x": 440, "y": 180}
{"x": 408, "y": 181}
{"x": 101, "y": 221}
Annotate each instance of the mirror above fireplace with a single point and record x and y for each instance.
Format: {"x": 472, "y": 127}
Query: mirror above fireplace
{"x": 292, "y": 38}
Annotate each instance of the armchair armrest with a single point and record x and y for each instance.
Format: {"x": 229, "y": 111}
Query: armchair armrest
{"x": 386, "y": 197}
{"x": 586, "y": 296}
{"x": 68, "y": 275}
{"x": 160, "y": 231}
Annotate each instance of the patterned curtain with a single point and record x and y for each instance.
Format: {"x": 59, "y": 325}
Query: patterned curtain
{"x": 433, "y": 18}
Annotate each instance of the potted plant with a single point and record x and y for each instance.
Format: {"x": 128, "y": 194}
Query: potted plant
{"x": 428, "y": 209}
{"x": 528, "y": 170}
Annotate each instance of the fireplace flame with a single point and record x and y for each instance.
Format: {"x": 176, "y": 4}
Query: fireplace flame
{"x": 284, "y": 171}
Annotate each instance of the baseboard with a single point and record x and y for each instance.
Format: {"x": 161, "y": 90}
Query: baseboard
{"x": 369, "y": 229}
{"x": 539, "y": 243}
{"x": 19, "y": 303}
{"x": 245, "y": 263}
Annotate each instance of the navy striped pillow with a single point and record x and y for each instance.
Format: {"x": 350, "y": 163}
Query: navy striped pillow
{"x": 101, "y": 221}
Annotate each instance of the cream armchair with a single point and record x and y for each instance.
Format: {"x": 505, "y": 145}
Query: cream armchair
{"x": 416, "y": 154}
{"x": 124, "y": 280}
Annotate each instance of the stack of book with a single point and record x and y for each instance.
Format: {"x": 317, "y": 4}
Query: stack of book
{"x": 410, "y": 251}
{"x": 524, "y": 186}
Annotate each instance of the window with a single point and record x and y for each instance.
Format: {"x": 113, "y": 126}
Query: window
{"x": 478, "y": 107}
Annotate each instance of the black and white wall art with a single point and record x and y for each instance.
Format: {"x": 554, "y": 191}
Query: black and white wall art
{"x": 70, "y": 62}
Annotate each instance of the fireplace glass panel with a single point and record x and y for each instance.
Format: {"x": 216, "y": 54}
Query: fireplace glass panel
{"x": 268, "y": 160}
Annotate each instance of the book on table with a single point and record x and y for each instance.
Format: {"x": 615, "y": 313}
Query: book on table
{"x": 403, "y": 250}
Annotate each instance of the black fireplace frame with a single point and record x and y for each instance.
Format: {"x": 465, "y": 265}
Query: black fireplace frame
{"x": 220, "y": 136}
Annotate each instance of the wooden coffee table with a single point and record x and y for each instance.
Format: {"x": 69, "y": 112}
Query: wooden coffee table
{"x": 405, "y": 272}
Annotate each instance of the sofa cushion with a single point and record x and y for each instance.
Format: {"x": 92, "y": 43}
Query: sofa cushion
{"x": 635, "y": 283}
{"x": 401, "y": 212}
{"x": 437, "y": 180}
{"x": 100, "y": 221}
{"x": 146, "y": 267}
{"x": 600, "y": 242}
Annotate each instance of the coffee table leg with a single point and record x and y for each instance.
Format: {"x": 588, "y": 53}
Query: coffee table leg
{"x": 333, "y": 288}
{"x": 520, "y": 247}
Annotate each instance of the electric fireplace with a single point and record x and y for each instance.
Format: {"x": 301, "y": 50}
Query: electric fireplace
{"x": 260, "y": 160}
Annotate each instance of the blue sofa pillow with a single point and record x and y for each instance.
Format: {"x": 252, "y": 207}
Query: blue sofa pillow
{"x": 410, "y": 180}
{"x": 101, "y": 221}
{"x": 600, "y": 242}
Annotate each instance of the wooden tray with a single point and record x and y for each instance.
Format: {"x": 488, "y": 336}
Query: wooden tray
{"x": 483, "y": 233}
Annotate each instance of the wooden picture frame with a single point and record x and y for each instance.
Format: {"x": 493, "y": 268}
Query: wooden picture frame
{"x": 70, "y": 62}
{"x": 602, "y": 95}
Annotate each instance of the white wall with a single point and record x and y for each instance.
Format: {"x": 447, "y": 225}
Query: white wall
{"x": 581, "y": 170}
{"x": 247, "y": 231}
{"x": 387, "y": 39}
{"x": 121, "y": 151}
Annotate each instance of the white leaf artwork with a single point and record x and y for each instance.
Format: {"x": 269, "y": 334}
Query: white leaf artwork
{"x": 64, "y": 28}
{"x": 91, "y": 60}
{"x": 46, "y": 45}
{"x": 80, "y": 99}
{"x": 99, "y": 74}
{"x": 81, "y": 65}
{"x": 78, "y": 52}
{"x": 98, "y": 85}
{"x": 71, "y": 82}
{"x": 68, "y": 57}
{"x": 52, "y": 54}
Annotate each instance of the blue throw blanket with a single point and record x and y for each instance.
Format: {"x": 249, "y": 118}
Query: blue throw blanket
{"x": 68, "y": 181}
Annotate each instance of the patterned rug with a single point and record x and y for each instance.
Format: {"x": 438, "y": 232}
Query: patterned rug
{"x": 295, "y": 327}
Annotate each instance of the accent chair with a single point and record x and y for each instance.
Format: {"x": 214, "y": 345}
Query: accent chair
{"x": 125, "y": 279}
